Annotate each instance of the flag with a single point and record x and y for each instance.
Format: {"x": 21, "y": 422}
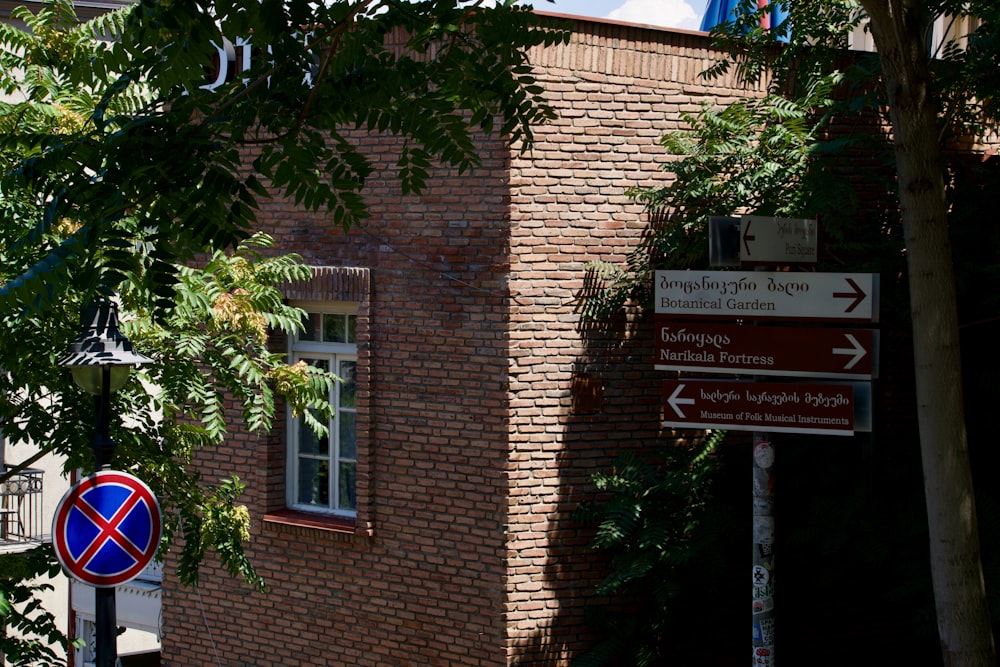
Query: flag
{"x": 724, "y": 11}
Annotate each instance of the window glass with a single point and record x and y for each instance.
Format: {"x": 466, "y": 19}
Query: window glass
{"x": 348, "y": 386}
{"x": 309, "y": 442}
{"x": 335, "y": 328}
{"x": 312, "y": 325}
{"x": 348, "y": 436}
{"x": 314, "y": 482}
{"x": 352, "y": 328}
{"x": 348, "y": 485}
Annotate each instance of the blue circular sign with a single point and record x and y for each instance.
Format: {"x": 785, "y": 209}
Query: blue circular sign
{"x": 107, "y": 528}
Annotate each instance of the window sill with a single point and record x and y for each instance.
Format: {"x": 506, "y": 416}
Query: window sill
{"x": 333, "y": 524}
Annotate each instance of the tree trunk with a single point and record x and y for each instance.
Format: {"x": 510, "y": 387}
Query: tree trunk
{"x": 960, "y": 598}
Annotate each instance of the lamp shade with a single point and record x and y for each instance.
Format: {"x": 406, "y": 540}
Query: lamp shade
{"x": 100, "y": 344}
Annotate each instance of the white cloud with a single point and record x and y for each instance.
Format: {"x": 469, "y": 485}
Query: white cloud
{"x": 667, "y": 13}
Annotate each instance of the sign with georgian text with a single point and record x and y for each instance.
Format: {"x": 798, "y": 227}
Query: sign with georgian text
{"x": 762, "y": 295}
{"x": 719, "y": 347}
{"x": 777, "y": 407}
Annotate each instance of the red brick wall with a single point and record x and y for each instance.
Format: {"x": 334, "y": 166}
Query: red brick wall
{"x": 475, "y": 460}
{"x": 422, "y": 584}
{"x": 617, "y": 90}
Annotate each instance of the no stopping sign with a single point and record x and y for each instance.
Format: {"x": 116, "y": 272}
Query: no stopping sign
{"x": 107, "y": 528}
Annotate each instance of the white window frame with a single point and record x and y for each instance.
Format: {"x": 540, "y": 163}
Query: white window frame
{"x": 335, "y": 353}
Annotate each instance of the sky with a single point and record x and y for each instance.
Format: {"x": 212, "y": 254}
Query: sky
{"x": 667, "y": 13}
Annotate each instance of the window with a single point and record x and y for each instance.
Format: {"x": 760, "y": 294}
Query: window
{"x": 322, "y": 472}
{"x": 325, "y": 484}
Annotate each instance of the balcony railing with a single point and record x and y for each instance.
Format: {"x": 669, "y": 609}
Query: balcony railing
{"x": 21, "y": 510}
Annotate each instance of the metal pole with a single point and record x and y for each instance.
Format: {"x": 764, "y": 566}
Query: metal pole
{"x": 105, "y": 612}
{"x": 763, "y": 551}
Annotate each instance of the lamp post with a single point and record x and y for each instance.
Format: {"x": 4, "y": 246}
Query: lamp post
{"x": 100, "y": 359}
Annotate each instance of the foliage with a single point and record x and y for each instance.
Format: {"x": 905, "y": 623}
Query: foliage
{"x": 210, "y": 348}
{"x": 154, "y": 156}
{"x": 662, "y": 528}
{"x": 22, "y": 611}
{"x": 770, "y": 156}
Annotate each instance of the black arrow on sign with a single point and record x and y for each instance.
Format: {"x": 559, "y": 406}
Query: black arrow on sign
{"x": 858, "y": 295}
{"x": 747, "y": 237}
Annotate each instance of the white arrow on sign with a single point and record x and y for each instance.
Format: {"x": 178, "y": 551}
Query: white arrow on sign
{"x": 676, "y": 400}
{"x": 857, "y": 351}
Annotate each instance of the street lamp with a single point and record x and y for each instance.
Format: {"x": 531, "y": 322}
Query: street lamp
{"x": 100, "y": 359}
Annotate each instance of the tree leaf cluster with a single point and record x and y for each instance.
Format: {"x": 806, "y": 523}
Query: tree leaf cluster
{"x": 120, "y": 170}
{"x": 770, "y": 156}
{"x": 958, "y": 83}
{"x": 658, "y": 522}
{"x": 141, "y": 137}
{"x": 210, "y": 350}
{"x": 22, "y": 577}
{"x": 213, "y": 349}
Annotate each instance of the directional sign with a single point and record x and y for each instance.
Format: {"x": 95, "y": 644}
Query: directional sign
{"x": 824, "y": 409}
{"x": 778, "y": 240}
{"x": 851, "y": 297}
{"x": 715, "y": 347}
{"x": 106, "y": 528}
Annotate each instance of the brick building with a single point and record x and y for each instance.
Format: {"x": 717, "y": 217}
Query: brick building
{"x": 435, "y": 527}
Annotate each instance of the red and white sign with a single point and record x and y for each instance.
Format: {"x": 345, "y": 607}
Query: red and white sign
{"x": 823, "y": 409}
{"x": 763, "y": 295}
{"x": 106, "y": 528}
{"x": 716, "y": 347}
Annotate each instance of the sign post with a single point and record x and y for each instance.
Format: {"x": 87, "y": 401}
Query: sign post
{"x": 734, "y": 346}
{"x": 763, "y": 551}
{"x": 98, "y": 348}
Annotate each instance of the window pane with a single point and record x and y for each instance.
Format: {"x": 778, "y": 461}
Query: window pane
{"x": 335, "y": 328}
{"x": 314, "y": 482}
{"x": 348, "y": 438}
{"x": 347, "y": 494}
{"x": 322, "y": 364}
{"x": 312, "y": 324}
{"x": 348, "y": 386}
{"x": 309, "y": 442}
{"x": 352, "y": 328}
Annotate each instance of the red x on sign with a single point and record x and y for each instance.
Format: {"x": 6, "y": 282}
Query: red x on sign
{"x": 107, "y": 528}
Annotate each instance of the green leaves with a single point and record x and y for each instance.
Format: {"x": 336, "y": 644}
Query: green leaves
{"x": 122, "y": 137}
{"x": 212, "y": 349}
{"x": 33, "y": 634}
{"x": 223, "y": 525}
{"x": 657, "y": 523}
{"x": 771, "y": 156}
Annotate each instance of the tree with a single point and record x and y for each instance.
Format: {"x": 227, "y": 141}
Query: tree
{"x": 189, "y": 164}
{"x": 899, "y": 28}
{"x": 917, "y": 114}
{"x": 928, "y": 97}
{"x": 666, "y": 533}
{"x": 117, "y": 169}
